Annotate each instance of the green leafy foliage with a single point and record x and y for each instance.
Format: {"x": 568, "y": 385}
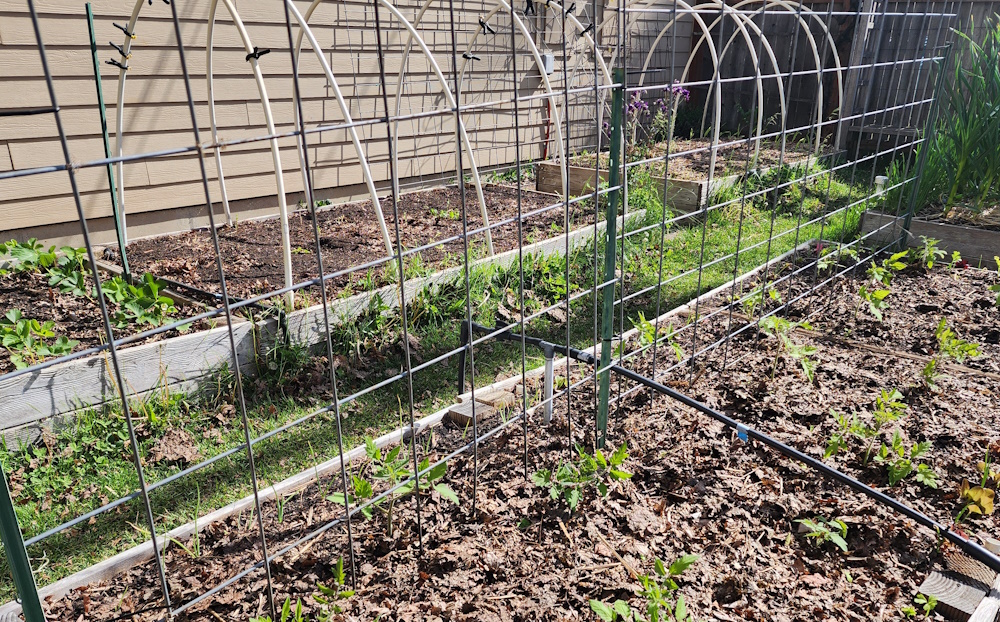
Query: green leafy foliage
{"x": 392, "y": 467}
{"x": 69, "y": 274}
{"x": 329, "y": 598}
{"x": 950, "y": 346}
{"x": 288, "y": 613}
{"x": 660, "y": 591}
{"x": 876, "y": 299}
{"x": 571, "y": 480}
{"x": 928, "y": 254}
{"x": 832, "y": 256}
{"x": 140, "y": 304}
{"x": 780, "y": 328}
{"x": 826, "y": 530}
{"x": 847, "y": 426}
{"x": 30, "y": 341}
{"x": 899, "y": 465}
{"x": 28, "y": 256}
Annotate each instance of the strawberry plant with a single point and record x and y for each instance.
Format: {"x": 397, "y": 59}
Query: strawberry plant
{"x": 571, "y": 480}
{"x": 30, "y": 341}
{"x": 28, "y": 256}
{"x": 70, "y": 271}
{"x": 138, "y": 304}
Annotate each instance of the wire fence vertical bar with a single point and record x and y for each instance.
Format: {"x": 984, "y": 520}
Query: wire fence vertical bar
{"x": 220, "y": 269}
{"x": 99, "y": 292}
{"x": 17, "y": 556}
{"x": 311, "y": 200}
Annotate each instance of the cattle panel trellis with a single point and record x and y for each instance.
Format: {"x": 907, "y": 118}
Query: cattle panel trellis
{"x": 439, "y": 291}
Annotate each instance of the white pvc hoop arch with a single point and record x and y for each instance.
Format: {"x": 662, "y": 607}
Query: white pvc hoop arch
{"x": 286, "y": 248}
{"x": 305, "y": 30}
{"x": 737, "y": 18}
{"x": 533, "y": 48}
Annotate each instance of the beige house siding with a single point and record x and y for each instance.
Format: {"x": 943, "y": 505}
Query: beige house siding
{"x": 156, "y": 114}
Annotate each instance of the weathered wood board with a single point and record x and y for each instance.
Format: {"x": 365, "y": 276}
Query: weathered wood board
{"x": 977, "y": 246}
{"x": 682, "y": 195}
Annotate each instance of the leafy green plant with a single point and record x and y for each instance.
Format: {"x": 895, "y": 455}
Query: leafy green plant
{"x": 882, "y": 274}
{"x": 140, "y": 304}
{"x": 660, "y": 590}
{"x": 69, "y": 273}
{"x": 889, "y": 408}
{"x": 391, "y": 467}
{"x": 826, "y": 530}
{"x": 30, "y": 341}
{"x": 928, "y": 254}
{"x": 774, "y": 326}
{"x": 926, "y": 602}
{"x": 329, "y": 598}
{"x": 28, "y": 256}
{"x": 876, "y": 300}
{"x": 949, "y": 346}
{"x": 288, "y": 614}
{"x": 571, "y": 480}
{"x": 899, "y": 465}
{"x": 831, "y": 256}
{"x": 846, "y": 426}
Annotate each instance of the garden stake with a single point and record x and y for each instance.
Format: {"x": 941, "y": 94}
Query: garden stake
{"x": 115, "y": 208}
{"x": 610, "y": 245}
{"x": 17, "y": 557}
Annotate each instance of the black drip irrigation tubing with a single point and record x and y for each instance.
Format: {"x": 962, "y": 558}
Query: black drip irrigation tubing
{"x": 745, "y": 433}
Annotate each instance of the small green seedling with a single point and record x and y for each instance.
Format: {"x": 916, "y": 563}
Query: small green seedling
{"x": 899, "y": 466}
{"x": 847, "y": 425}
{"x": 929, "y": 253}
{"x": 571, "y": 480}
{"x": 833, "y": 255}
{"x": 889, "y": 408}
{"x": 329, "y": 597}
{"x": 826, "y": 530}
{"x": 774, "y": 326}
{"x": 949, "y": 346}
{"x": 660, "y": 589}
{"x": 288, "y": 614}
{"x": 877, "y": 300}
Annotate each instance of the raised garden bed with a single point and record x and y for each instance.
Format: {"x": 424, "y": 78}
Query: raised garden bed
{"x": 978, "y": 245}
{"x": 349, "y": 236}
{"x": 60, "y": 391}
{"x": 688, "y": 187}
{"x": 696, "y": 489}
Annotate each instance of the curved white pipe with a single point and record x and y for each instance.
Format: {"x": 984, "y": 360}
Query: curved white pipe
{"x": 816, "y": 60}
{"x": 305, "y": 30}
{"x": 502, "y": 4}
{"x": 120, "y": 121}
{"x": 286, "y": 248}
{"x": 210, "y": 36}
{"x": 450, "y": 97}
{"x": 741, "y": 22}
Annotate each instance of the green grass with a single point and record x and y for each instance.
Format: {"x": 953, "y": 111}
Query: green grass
{"x": 90, "y": 461}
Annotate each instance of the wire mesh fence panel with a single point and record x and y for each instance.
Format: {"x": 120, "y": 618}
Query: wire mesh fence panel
{"x": 491, "y": 310}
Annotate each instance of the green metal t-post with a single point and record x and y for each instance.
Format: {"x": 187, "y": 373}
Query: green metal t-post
{"x": 17, "y": 556}
{"x": 610, "y": 252}
{"x": 115, "y": 210}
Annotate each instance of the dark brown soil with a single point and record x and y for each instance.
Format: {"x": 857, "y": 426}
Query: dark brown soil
{"x": 76, "y": 317}
{"x": 349, "y": 237}
{"x": 696, "y": 489}
{"x": 730, "y": 160}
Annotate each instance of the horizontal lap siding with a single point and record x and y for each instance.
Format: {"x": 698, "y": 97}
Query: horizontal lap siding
{"x": 156, "y": 115}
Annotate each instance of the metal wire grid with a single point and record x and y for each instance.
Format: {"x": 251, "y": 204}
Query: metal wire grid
{"x": 911, "y": 105}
